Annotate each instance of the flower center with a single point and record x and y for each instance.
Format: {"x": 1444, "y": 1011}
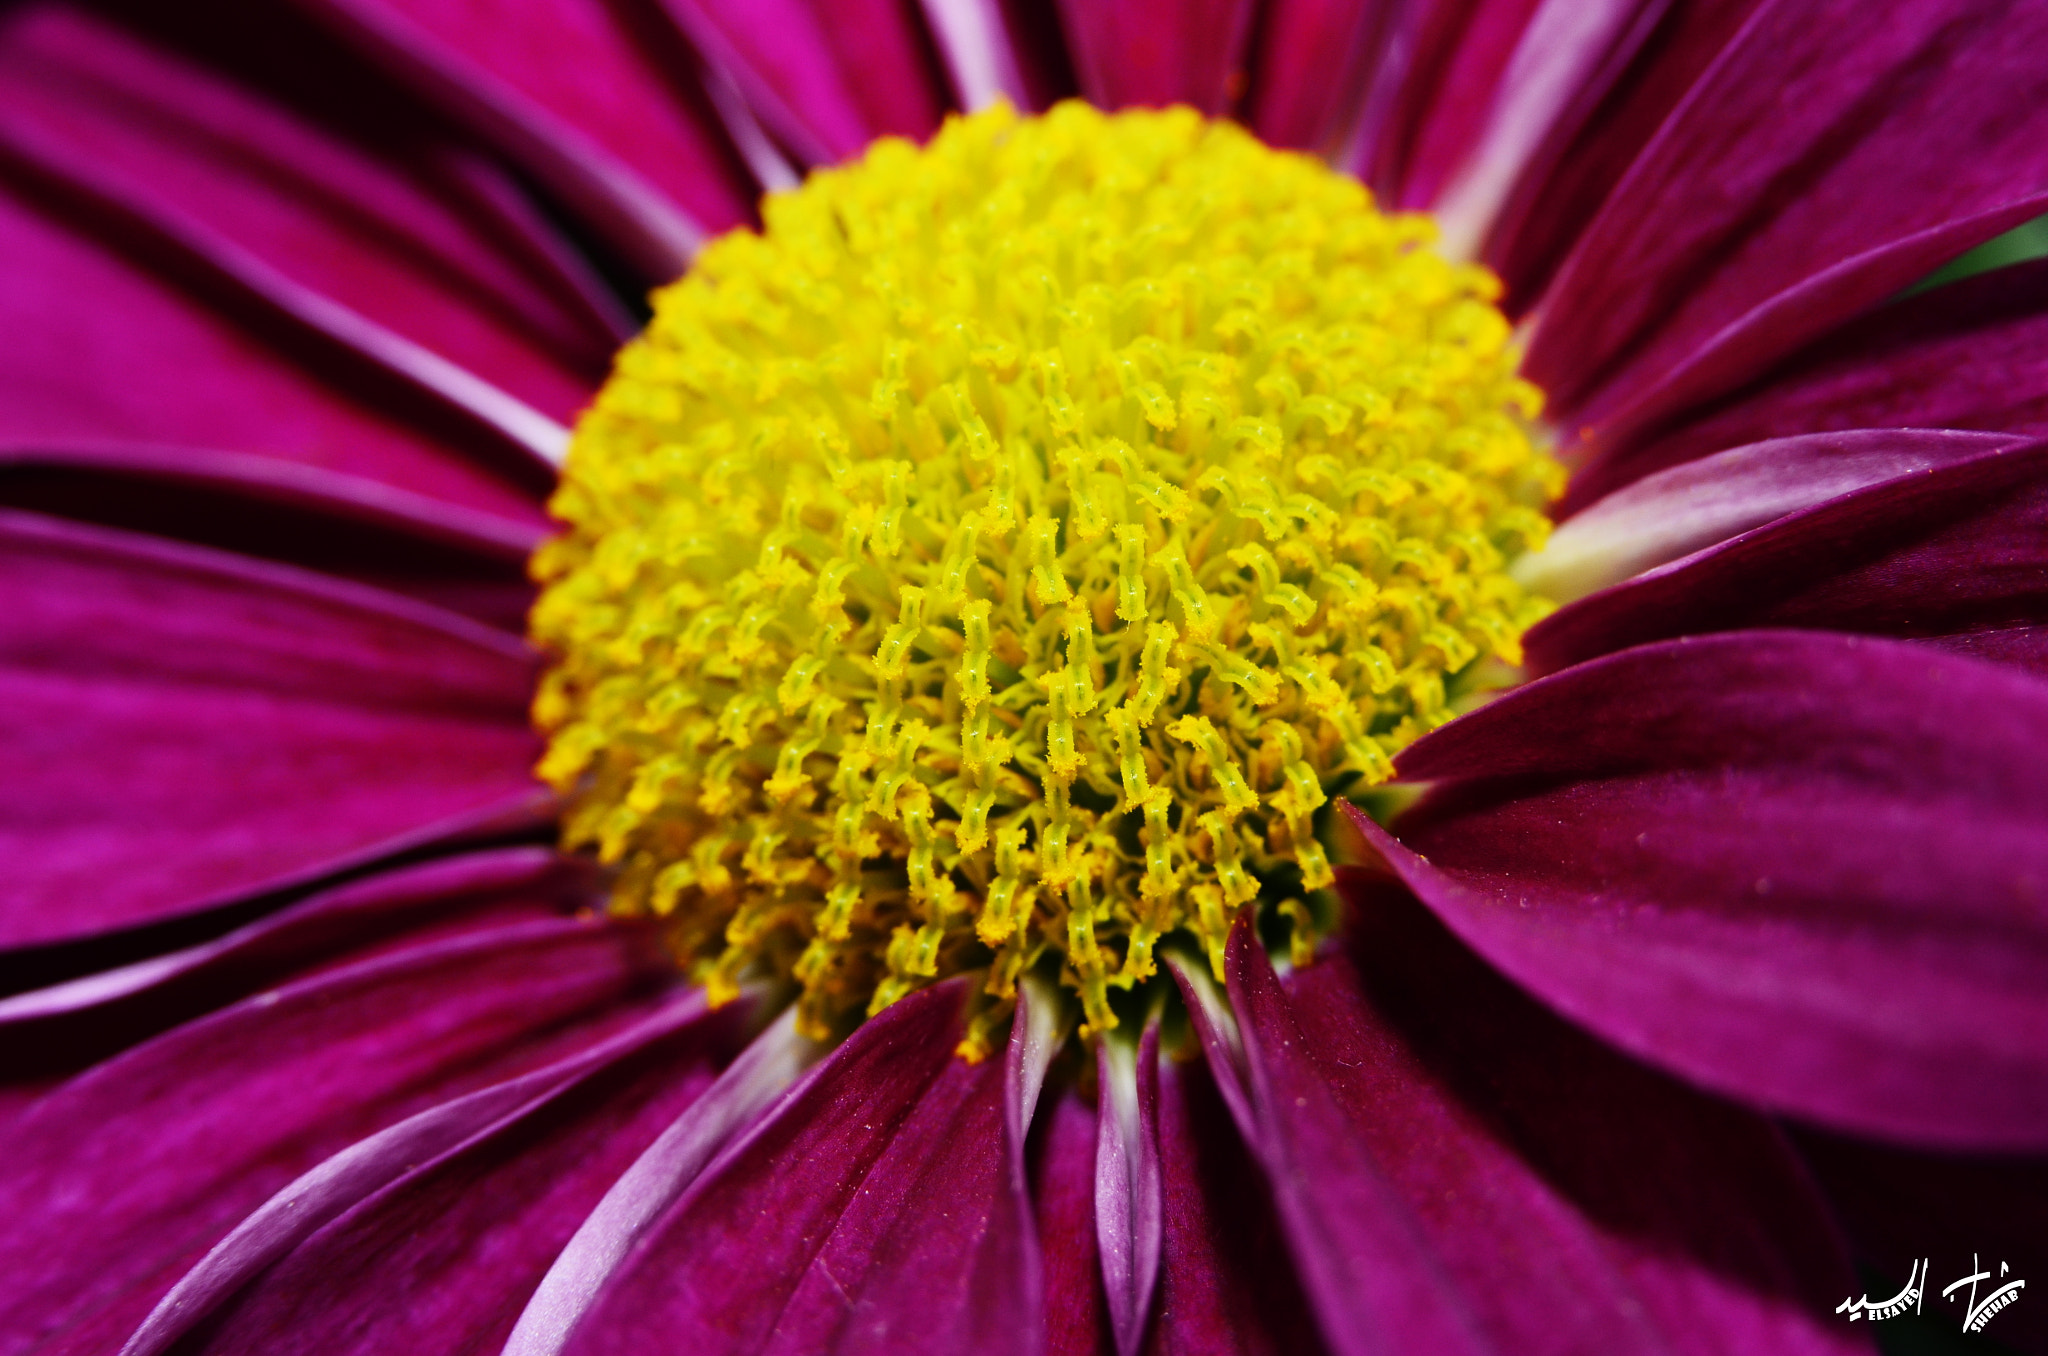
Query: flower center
{"x": 997, "y": 562}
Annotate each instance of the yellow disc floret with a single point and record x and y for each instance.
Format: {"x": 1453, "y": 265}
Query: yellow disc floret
{"x": 997, "y": 561}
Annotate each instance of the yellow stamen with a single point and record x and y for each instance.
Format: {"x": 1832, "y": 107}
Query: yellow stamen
{"x": 997, "y": 562}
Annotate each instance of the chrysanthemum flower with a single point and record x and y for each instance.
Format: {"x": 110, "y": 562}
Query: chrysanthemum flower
{"x": 1088, "y": 806}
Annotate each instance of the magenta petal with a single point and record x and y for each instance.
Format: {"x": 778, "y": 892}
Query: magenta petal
{"x": 193, "y": 728}
{"x": 1430, "y": 1133}
{"x": 1972, "y": 355}
{"x": 999, "y": 49}
{"x": 120, "y": 1180}
{"x": 1127, "y": 1211}
{"x": 827, "y": 78}
{"x": 1801, "y": 869}
{"x": 1955, "y": 549}
{"x": 1076, "y": 1310}
{"x": 567, "y": 89}
{"x": 1158, "y": 52}
{"x": 144, "y": 362}
{"x": 343, "y": 526}
{"x": 875, "y": 1209}
{"x": 1226, "y": 1286}
{"x": 1312, "y": 56}
{"x": 65, "y": 1027}
{"x": 1700, "y": 503}
{"x": 443, "y": 1257}
{"x": 1754, "y": 222}
{"x": 363, "y": 230}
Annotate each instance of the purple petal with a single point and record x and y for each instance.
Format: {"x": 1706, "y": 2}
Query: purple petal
{"x": 825, "y": 78}
{"x": 366, "y": 231}
{"x": 1972, "y": 355}
{"x": 1445, "y": 62}
{"x": 1593, "y": 143}
{"x": 1127, "y": 1211}
{"x": 1954, "y": 549}
{"x": 567, "y": 90}
{"x": 193, "y": 728}
{"x": 1753, "y": 223}
{"x": 1431, "y": 1133}
{"x": 653, "y": 1182}
{"x": 65, "y": 1027}
{"x": 874, "y": 1209}
{"x": 1899, "y": 1207}
{"x": 119, "y": 1181}
{"x": 1076, "y": 1310}
{"x": 146, "y": 363}
{"x": 1157, "y": 52}
{"x": 1699, "y": 503}
{"x": 441, "y": 1256}
{"x": 1226, "y": 1286}
{"x": 1310, "y": 70}
{"x": 460, "y": 559}
{"x": 1801, "y": 869}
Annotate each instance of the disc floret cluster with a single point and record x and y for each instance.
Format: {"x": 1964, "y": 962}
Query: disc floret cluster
{"x": 997, "y": 562}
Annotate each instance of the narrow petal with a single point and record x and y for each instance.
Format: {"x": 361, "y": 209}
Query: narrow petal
{"x": 1950, "y": 550}
{"x": 1750, "y": 224}
{"x": 1804, "y": 870}
{"x": 345, "y": 526}
{"x": 1441, "y": 66}
{"x": 571, "y": 93}
{"x": 443, "y": 1257}
{"x": 63, "y": 1028}
{"x": 144, "y": 361}
{"x": 190, "y": 148}
{"x": 1155, "y": 53}
{"x": 1127, "y": 1211}
{"x": 1972, "y": 355}
{"x": 1593, "y": 142}
{"x": 119, "y": 1181}
{"x": 193, "y": 728}
{"x": 998, "y": 49}
{"x": 653, "y": 1182}
{"x": 874, "y": 1210}
{"x": 1311, "y": 64}
{"x": 825, "y": 78}
{"x": 1696, "y": 504}
{"x": 1076, "y": 1310}
{"x": 1227, "y": 1287}
{"x": 1429, "y": 1131}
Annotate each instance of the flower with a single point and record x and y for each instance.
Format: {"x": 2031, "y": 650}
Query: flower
{"x": 1720, "y": 934}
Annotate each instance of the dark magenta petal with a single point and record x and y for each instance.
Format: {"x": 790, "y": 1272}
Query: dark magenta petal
{"x": 993, "y": 49}
{"x": 1801, "y": 869}
{"x": 1429, "y": 1131}
{"x": 579, "y": 99}
{"x": 1753, "y": 223}
{"x": 1953, "y": 549}
{"x": 1595, "y": 140}
{"x": 2024, "y": 647}
{"x": 1158, "y": 52}
{"x": 875, "y": 1209}
{"x": 466, "y": 561}
{"x": 1311, "y": 62}
{"x": 827, "y": 78}
{"x": 1972, "y": 355}
{"x": 1226, "y": 1286}
{"x": 1063, "y": 1192}
{"x": 123, "y": 355}
{"x": 1127, "y": 1210}
{"x": 120, "y": 1180}
{"x": 1698, "y": 503}
{"x": 194, "y": 728}
{"x": 65, "y": 1027}
{"x": 365, "y": 231}
{"x": 1898, "y": 1207}
{"x": 443, "y": 1257}
{"x": 653, "y": 1182}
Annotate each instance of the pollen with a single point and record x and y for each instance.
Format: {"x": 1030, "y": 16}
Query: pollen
{"x": 998, "y": 562}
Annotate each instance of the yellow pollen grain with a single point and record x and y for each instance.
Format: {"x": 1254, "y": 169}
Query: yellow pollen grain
{"x": 999, "y": 561}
